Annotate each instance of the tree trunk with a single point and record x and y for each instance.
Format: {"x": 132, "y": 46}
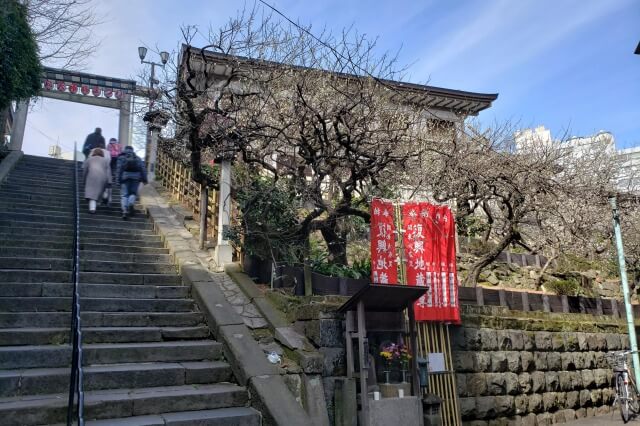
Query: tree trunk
{"x": 487, "y": 259}
{"x": 487, "y": 233}
{"x": 336, "y": 242}
{"x": 544, "y": 269}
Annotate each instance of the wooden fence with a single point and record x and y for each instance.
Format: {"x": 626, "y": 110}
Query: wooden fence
{"x": 520, "y": 259}
{"x": 530, "y": 301}
{"x": 176, "y": 178}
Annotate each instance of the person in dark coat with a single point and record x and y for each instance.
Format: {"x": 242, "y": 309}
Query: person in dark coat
{"x": 94, "y": 140}
{"x": 129, "y": 173}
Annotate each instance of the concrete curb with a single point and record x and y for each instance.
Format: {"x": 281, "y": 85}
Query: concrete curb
{"x": 300, "y": 349}
{"x": 297, "y": 347}
{"x": 9, "y": 163}
{"x": 269, "y": 393}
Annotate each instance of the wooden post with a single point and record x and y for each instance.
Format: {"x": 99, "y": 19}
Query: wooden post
{"x": 349, "y": 329}
{"x": 525, "y": 301}
{"x": 308, "y": 286}
{"x": 363, "y": 358}
{"x": 204, "y": 199}
{"x": 508, "y": 257}
{"x": 538, "y": 262}
{"x": 582, "y": 305}
{"x": 599, "y": 309}
{"x": 479, "y": 296}
{"x": 545, "y": 303}
{"x": 414, "y": 348}
{"x": 565, "y": 303}
{"x": 614, "y": 308}
{"x": 524, "y": 259}
{"x": 503, "y": 297}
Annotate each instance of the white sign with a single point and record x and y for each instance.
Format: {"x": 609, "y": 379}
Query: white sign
{"x": 436, "y": 362}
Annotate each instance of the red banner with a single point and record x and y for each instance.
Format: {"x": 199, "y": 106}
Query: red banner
{"x": 430, "y": 252}
{"x": 384, "y": 261}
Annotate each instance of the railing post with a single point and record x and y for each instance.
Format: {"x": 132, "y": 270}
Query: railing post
{"x": 76, "y": 377}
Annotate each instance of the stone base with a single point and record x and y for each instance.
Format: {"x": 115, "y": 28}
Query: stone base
{"x": 390, "y": 390}
{"x": 395, "y": 411}
{"x": 223, "y": 255}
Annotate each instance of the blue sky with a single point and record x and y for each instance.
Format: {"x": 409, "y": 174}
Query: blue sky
{"x": 567, "y": 65}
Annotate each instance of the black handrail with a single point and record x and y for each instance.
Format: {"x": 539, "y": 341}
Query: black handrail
{"x": 76, "y": 379}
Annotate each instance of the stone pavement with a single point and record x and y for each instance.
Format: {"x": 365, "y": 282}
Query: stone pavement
{"x": 252, "y": 318}
{"x": 611, "y": 419}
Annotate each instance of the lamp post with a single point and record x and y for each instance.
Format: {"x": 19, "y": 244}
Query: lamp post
{"x": 152, "y": 132}
{"x": 625, "y": 288}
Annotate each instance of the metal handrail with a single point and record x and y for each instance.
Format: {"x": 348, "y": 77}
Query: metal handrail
{"x": 76, "y": 379}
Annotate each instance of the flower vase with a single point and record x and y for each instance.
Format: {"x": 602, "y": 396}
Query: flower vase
{"x": 404, "y": 375}
{"x": 386, "y": 376}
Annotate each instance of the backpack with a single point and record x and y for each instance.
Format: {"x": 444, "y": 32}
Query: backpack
{"x": 131, "y": 163}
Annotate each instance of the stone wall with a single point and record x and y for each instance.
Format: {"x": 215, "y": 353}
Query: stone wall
{"x": 325, "y": 330}
{"x": 513, "y": 368}
{"x": 517, "y": 368}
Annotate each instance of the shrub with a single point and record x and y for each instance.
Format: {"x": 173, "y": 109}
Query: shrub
{"x": 568, "y": 287}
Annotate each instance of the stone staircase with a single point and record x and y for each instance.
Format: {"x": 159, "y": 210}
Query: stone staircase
{"x": 149, "y": 358}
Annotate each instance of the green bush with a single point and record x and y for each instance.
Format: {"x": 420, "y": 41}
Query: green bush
{"x": 319, "y": 262}
{"x": 567, "y": 287}
{"x": 268, "y": 220}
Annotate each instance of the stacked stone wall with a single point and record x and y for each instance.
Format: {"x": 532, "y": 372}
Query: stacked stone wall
{"x": 537, "y": 370}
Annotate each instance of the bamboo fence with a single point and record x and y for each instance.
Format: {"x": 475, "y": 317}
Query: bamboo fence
{"x": 175, "y": 177}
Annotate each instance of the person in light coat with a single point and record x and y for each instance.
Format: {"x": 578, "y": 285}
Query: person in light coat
{"x": 96, "y": 175}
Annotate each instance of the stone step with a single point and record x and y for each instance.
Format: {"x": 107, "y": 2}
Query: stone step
{"x": 156, "y": 248}
{"x": 42, "y": 276}
{"x": 21, "y": 175}
{"x": 47, "y": 161}
{"x": 64, "y": 234}
{"x": 95, "y": 290}
{"x": 102, "y": 212}
{"x": 52, "y": 264}
{"x": 38, "y": 381}
{"x": 59, "y": 173}
{"x": 85, "y": 254}
{"x": 121, "y": 403}
{"x": 50, "y": 243}
{"x": 22, "y": 196}
{"x": 54, "y": 356}
{"x": 38, "y": 188}
{"x": 89, "y": 220}
{"x": 60, "y": 335}
{"x": 57, "y": 208}
{"x": 235, "y": 416}
{"x": 63, "y": 304}
{"x": 117, "y": 225}
{"x": 102, "y": 319}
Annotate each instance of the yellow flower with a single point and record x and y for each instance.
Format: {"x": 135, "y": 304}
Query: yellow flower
{"x": 386, "y": 354}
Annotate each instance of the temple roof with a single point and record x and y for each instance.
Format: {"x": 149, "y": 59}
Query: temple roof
{"x": 457, "y": 101}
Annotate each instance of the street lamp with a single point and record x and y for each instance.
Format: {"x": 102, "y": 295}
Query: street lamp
{"x": 164, "y": 58}
{"x": 151, "y": 148}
